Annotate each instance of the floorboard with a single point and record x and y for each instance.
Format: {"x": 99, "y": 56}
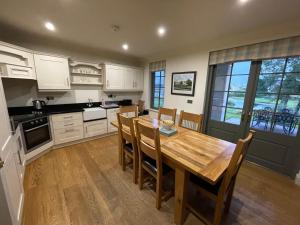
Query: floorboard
{"x": 83, "y": 184}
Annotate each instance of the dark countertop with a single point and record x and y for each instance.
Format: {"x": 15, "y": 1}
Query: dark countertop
{"x": 63, "y": 108}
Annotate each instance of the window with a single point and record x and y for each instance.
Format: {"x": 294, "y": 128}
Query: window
{"x": 157, "y": 89}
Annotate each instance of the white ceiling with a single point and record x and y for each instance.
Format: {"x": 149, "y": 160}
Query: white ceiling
{"x": 188, "y": 22}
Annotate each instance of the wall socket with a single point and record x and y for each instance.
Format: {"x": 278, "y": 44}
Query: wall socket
{"x": 189, "y": 101}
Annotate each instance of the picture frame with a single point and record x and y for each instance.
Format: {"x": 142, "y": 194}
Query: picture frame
{"x": 183, "y": 83}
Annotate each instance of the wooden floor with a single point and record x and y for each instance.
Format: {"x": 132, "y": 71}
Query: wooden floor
{"x": 84, "y": 184}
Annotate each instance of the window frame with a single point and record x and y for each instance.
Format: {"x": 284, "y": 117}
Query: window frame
{"x": 152, "y": 77}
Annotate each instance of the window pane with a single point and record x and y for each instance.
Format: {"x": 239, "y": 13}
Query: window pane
{"x": 291, "y": 84}
{"x": 238, "y": 83}
{"x": 265, "y": 101}
{"x": 219, "y": 98}
{"x": 233, "y": 116}
{"x": 241, "y": 67}
{"x": 222, "y": 83}
{"x": 236, "y": 100}
{"x": 217, "y": 113}
{"x": 162, "y": 81}
{"x": 162, "y": 92}
{"x": 156, "y": 102}
{"x": 272, "y": 66}
{"x": 161, "y": 102}
{"x": 293, "y": 65}
{"x": 269, "y": 83}
{"x": 223, "y": 69}
{"x": 289, "y": 104}
{"x": 162, "y": 73}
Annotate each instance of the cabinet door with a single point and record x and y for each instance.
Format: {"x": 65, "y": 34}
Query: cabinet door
{"x": 52, "y": 72}
{"x": 129, "y": 78}
{"x": 138, "y": 79}
{"x": 4, "y": 119}
{"x": 114, "y": 77}
{"x": 95, "y": 128}
{"x": 111, "y": 116}
{"x": 11, "y": 181}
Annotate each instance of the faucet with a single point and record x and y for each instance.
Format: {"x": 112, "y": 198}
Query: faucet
{"x": 90, "y": 104}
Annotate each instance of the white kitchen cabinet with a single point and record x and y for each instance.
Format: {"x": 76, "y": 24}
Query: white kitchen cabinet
{"x": 94, "y": 128}
{"x": 52, "y": 72}
{"x": 67, "y": 127}
{"x": 123, "y": 78}
{"x": 114, "y": 77}
{"x": 16, "y": 62}
{"x": 111, "y": 116}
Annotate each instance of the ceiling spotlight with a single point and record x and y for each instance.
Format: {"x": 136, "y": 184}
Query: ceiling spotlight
{"x": 50, "y": 26}
{"x": 161, "y": 31}
{"x": 125, "y": 46}
{"x": 243, "y": 1}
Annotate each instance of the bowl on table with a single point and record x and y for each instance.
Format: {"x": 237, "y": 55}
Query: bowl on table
{"x": 167, "y": 124}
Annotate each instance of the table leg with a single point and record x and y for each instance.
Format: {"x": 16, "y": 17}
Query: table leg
{"x": 181, "y": 181}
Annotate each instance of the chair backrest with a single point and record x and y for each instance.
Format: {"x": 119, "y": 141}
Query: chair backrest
{"x": 236, "y": 160}
{"x": 148, "y": 141}
{"x": 131, "y": 111}
{"x": 126, "y": 129}
{"x": 141, "y": 105}
{"x": 191, "y": 121}
{"x": 167, "y": 112}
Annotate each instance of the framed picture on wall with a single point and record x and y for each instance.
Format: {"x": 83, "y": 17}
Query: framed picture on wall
{"x": 183, "y": 83}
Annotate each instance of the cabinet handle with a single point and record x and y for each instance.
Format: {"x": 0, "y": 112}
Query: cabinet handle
{"x": 70, "y": 124}
{"x": 19, "y": 156}
{"x": 68, "y": 82}
{"x": 86, "y": 130}
{"x": 68, "y": 117}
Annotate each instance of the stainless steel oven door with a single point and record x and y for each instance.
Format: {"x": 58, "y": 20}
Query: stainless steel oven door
{"x": 37, "y": 136}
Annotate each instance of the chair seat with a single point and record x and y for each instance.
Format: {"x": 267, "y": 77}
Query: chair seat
{"x": 205, "y": 185}
{"x": 151, "y": 164}
{"x": 128, "y": 147}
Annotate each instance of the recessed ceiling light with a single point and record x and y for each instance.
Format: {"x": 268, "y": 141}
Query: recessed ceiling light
{"x": 243, "y": 1}
{"x": 125, "y": 46}
{"x": 161, "y": 31}
{"x": 50, "y": 26}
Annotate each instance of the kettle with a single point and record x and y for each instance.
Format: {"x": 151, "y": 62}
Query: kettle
{"x": 38, "y": 104}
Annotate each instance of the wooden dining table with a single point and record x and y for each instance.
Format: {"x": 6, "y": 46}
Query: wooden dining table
{"x": 188, "y": 152}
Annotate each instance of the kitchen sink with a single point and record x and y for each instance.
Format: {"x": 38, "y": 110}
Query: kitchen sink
{"x": 94, "y": 113}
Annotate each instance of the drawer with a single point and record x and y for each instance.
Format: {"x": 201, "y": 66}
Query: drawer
{"x": 95, "y": 128}
{"x": 67, "y": 117}
{"x": 68, "y": 134}
{"x": 66, "y": 124}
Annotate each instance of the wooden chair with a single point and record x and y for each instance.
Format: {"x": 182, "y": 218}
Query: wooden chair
{"x": 150, "y": 159}
{"x": 167, "y": 112}
{"x": 222, "y": 191}
{"x": 130, "y": 111}
{"x": 141, "y": 105}
{"x": 190, "y": 121}
{"x": 128, "y": 143}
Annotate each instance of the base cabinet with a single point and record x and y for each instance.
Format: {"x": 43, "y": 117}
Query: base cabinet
{"x": 94, "y": 128}
{"x": 67, "y": 127}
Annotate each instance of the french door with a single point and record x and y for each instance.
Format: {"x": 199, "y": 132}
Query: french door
{"x": 263, "y": 96}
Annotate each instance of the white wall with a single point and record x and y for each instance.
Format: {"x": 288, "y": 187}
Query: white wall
{"x": 21, "y": 93}
{"x": 189, "y": 62}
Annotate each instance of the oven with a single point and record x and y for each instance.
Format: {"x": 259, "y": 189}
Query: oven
{"x": 36, "y": 132}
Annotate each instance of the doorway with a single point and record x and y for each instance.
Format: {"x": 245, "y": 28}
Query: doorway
{"x": 263, "y": 96}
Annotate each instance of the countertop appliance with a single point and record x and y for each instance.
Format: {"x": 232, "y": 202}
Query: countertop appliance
{"x": 38, "y": 104}
{"x": 35, "y": 130}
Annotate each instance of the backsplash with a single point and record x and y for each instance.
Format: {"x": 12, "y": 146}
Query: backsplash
{"x": 23, "y": 92}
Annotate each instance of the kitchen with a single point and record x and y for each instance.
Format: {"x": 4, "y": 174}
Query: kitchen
{"x": 161, "y": 112}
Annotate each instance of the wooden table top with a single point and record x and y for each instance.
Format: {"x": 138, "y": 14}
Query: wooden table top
{"x": 200, "y": 154}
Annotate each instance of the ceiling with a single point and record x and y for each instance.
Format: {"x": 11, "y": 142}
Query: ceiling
{"x": 188, "y": 22}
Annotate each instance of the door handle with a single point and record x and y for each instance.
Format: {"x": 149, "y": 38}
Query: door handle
{"x": 1, "y": 163}
{"x": 243, "y": 115}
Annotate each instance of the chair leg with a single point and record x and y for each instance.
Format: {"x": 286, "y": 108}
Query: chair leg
{"x": 123, "y": 160}
{"x": 229, "y": 198}
{"x": 218, "y": 211}
{"x": 141, "y": 175}
{"x": 158, "y": 192}
{"x": 135, "y": 169}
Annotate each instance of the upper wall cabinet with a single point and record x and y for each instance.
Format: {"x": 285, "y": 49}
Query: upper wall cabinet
{"x": 123, "y": 78}
{"x": 52, "y": 73}
{"x": 16, "y": 62}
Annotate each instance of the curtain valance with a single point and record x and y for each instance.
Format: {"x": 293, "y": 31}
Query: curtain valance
{"x": 158, "y": 65}
{"x": 270, "y": 49}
